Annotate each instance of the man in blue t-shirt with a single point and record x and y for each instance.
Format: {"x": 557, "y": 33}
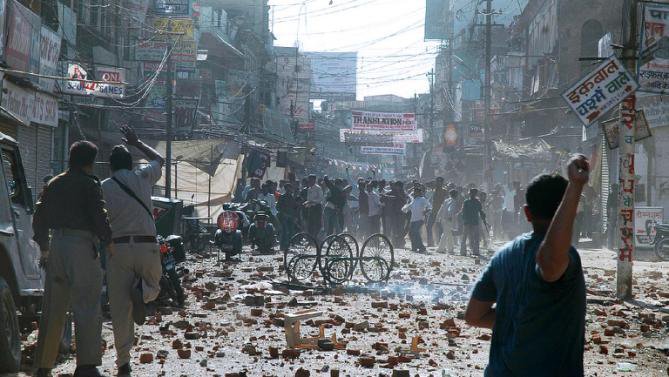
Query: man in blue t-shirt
{"x": 532, "y": 294}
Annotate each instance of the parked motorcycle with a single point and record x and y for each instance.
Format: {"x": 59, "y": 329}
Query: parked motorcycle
{"x": 171, "y": 291}
{"x": 228, "y": 237}
{"x": 661, "y": 241}
{"x": 195, "y": 234}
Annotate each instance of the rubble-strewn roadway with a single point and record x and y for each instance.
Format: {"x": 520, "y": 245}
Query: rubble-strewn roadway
{"x": 221, "y": 332}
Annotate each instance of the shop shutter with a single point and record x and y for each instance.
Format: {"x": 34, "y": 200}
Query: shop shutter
{"x": 35, "y": 144}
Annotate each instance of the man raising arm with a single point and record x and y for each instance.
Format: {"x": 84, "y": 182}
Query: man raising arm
{"x": 532, "y": 294}
{"x": 553, "y": 255}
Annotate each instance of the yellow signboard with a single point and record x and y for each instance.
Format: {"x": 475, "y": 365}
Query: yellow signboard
{"x": 183, "y": 26}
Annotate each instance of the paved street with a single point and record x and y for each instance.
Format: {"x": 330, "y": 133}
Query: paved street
{"x": 219, "y": 334}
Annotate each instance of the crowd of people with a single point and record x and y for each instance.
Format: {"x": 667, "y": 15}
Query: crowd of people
{"x": 83, "y": 225}
{"x": 431, "y": 214}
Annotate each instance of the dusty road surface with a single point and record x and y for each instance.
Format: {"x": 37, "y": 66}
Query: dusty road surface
{"x": 232, "y": 324}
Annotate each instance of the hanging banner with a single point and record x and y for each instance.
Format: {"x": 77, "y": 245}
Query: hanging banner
{"x": 110, "y": 88}
{"x": 367, "y": 120}
{"x": 361, "y": 137}
{"x": 611, "y": 130}
{"x": 645, "y": 220}
{"x": 49, "y": 55}
{"x": 183, "y": 26}
{"x": 23, "y": 28}
{"x": 600, "y": 91}
{"x": 114, "y": 82}
{"x": 257, "y": 162}
{"x": 172, "y": 7}
{"x": 653, "y": 72}
{"x": 385, "y": 151}
{"x": 656, "y": 110}
{"x": 184, "y": 51}
{"x": 306, "y": 126}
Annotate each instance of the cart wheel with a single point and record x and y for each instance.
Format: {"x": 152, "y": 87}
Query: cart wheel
{"x": 377, "y": 258}
{"x": 302, "y": 244}
{"x": 338, "y": 260}
{"x": 353, "y": 243}
{"x": 323, "y": 248}
{"x": 301, "y": 268}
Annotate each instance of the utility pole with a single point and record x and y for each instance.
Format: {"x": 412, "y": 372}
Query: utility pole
{"x": 487, "y": 165}
{"x": 626, "y": 164}
{"x": 431, "y": 117}
{"x": 449, "y": 111}
{"x": 168, "y": 126}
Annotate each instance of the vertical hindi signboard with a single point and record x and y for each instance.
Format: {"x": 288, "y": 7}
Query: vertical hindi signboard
{"x": 22, "y": 26}
{"x": 49, "y": 54}
{"x": 653, "y": 72}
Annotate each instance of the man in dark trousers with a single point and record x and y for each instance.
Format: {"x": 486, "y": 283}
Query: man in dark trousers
{"x": 334, "y": 206}
{"x": 314, "y": 207}
{"x": 288, "y": 208}
{"x": 471, "y": 212}
{"x": 393, "y": 202}
{"x": 438, "y": 197}
{"x": 532, "y": 294}
{"x": 73, "y": 209}
{"x": 363, "y": 209}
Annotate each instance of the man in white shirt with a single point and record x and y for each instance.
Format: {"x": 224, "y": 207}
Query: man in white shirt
{"x": 447, "y": 216}
{"x": 418, "y": 207}
{"x": 133, "y": 268}
{"x": 374, "y": 202}
{"x": 267, "y": 196}
{"x": 314, "y": 206}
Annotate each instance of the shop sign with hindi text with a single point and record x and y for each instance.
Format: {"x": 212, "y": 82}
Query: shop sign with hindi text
{"x": 600, "y": 91}
{"x": 653, "y": 72}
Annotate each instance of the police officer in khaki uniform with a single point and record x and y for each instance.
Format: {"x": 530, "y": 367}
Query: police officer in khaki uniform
{"x": 134, "y": 269}
{"x": 72, "y": 208}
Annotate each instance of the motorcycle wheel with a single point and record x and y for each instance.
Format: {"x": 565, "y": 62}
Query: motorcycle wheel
{"x": 662, "y": 249}
{"x": 177, "y": 291}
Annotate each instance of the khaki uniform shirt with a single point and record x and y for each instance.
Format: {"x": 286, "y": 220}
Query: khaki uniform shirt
{"x": 127, "y": 217}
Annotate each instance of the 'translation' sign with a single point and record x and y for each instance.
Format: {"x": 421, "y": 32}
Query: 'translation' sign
{"x": 600, "y": 91}
{"x": 366, "y": 120}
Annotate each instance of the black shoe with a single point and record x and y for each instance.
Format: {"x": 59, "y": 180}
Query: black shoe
{"x": 43, "y": 372}
{"x": 87, "y": 371}
{"x": 124, "y": 370}
{"x": 138, "y": 306}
